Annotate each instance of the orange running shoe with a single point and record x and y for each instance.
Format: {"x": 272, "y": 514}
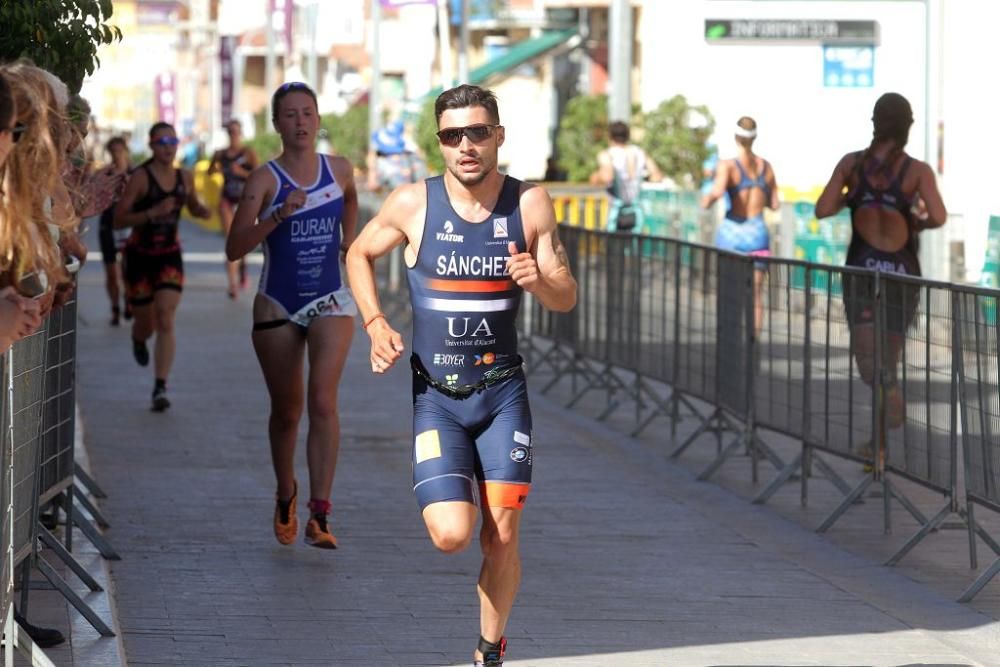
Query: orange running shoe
{"x": 286, "y": 524}
{"x": 317, "y": 529}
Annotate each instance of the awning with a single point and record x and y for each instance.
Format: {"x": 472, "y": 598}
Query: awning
{"x": 517, "y": 55}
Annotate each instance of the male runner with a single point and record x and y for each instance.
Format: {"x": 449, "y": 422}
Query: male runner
{"x": 475, "y": 239}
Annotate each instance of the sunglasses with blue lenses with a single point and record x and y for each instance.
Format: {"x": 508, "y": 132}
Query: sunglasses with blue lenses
{"x": 452, "y": 136}
{"x": 166, "y": 141}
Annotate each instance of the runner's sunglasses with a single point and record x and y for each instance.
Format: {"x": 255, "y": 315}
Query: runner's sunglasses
{"x": 166, "y": 141}
{"x": 452, "y": 136}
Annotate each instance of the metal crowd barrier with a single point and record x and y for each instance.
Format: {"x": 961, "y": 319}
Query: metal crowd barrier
{"x": 979, "y": 379}
{"x": 865, "y": 366}
{"x": 6, "y": 499}
{"x": 38, "y": 410}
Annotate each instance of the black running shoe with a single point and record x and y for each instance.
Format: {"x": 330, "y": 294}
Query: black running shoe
{"x": 160, "y": 400}
{"x": 492, "y": 653}
{"x": 140, "y": 352}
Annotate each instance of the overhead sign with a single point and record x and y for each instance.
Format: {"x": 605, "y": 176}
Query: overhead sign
{"x": 392, "y": 4}
{"x": 721, "y": 31}
{"x": 848, "y": 66}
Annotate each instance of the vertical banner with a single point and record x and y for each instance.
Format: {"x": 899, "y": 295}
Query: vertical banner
{"x": 281, "y": 13}
{"x": 227, "y": 44}
{"x": 164, "y": 87}
{"x": 288, "y": 7}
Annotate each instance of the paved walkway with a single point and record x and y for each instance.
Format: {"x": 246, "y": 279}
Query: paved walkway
{"x": 626, "y": 559}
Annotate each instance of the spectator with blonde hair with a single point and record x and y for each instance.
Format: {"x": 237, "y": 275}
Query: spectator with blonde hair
{"x": 31, "y": 184}
{"x": 19, "y": 316}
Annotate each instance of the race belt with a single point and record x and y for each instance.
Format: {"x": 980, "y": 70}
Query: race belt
{"x": 490, "y": 377}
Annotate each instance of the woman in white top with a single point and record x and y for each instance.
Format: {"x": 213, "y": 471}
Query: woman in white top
{"x": 621, "y": 167}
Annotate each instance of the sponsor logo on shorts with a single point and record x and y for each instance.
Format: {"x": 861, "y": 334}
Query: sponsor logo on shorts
{"x": 427, "y": 445}
{"x": 449, "y": 360}
{"x": 522, "y": 438}
{"x": 519, "y": 454}
{"x": 449, "y": 234}
{"x": 452, "y": 380}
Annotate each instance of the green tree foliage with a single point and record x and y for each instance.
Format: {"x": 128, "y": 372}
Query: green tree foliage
{"x": 348, "y": 133}
{"x": 675, "y": 135}
{"x": 61, "y": 36}
{"x": 426, "y": 138}
{"x": 583, "y": 132}
{"x": 267, "y": 145}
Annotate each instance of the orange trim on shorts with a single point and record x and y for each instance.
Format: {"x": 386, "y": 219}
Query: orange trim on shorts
{"x": 443, "y": 285}
{"x": 504, "y": 494}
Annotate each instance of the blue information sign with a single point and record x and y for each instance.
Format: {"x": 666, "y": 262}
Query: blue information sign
{"x": 848, "y": 66}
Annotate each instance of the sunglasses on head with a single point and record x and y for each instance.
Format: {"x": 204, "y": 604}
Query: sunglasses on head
{"x": 452, "y": 136}
{"x": 17, "y": 131}
{"x": 292, "y": 85}
{"x": 166, "y": 141}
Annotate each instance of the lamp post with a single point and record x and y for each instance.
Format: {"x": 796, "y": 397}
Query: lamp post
{"x": 620, "y": 61}
{"x": 374, "y": 117}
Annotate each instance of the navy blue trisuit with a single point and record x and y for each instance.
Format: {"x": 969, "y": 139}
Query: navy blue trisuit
{"x": 902, "y": 299}
{"x": 301, "y": 273}
{"x": 471, "y": 419}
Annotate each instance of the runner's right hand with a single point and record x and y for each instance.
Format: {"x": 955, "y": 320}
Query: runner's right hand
{"x": 296, "y": 199}
{"x": 387, "y": 345}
